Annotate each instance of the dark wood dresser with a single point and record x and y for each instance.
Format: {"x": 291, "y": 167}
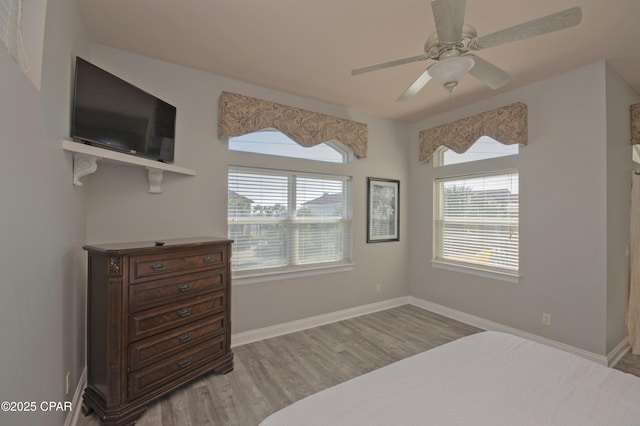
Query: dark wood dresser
{"x": 158, "y": 316}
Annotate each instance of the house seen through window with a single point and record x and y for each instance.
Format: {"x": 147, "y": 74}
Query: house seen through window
{"x": 283, "y": 219}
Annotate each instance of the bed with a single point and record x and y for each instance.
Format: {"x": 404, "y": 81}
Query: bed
{"x": 489, "y": 378}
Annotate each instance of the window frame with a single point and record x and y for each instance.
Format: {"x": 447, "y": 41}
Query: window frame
{"x": 345, "y": 153}
{"x": 439, "y": 154}
{"x": 292, "y": 222}
{"x": 473, "y": 169}
{"x": 11, "y": 31}
{"x": 22, "y": 26}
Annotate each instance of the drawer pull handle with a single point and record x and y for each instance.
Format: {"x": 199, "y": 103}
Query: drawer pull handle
{"x": 208, "y": 259}
{"x": 184, "y": 362}
{"x": 185, "y": 337}
{"x": 185, "y": 312}
{"x": 157, "y": 266}
{"x": 184, "y": 287}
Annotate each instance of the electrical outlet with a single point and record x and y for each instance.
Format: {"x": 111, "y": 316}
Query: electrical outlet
{"x": 67, "y": 382}
{"x": 378, "y": 288}
{"x": 546, "y": 319}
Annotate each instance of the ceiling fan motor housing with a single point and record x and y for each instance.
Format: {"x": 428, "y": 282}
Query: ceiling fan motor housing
{"x": 434, "y": 49}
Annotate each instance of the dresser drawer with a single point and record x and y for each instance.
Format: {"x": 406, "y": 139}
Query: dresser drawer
{"x": 174, "y": 368}
{"x": 153, "y": 293}
{"x": 150, "y": 350}
{"x": 166, "y": 317}
{"x": 160, "y": 265}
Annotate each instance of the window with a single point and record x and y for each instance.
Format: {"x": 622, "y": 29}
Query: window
{"x": 476, "y": 221}
{"x": 285, "y": 220}
{"x": 10, "y": 30}
{"x": 274, "y": 142}
{"x": 22, "y": 34}
{"x": 484, "y": 148}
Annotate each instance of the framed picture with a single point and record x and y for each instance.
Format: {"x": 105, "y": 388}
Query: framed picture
{"x": 383, "y": 210}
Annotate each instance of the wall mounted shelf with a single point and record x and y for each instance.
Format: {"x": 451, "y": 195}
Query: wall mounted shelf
{"x": 86, "y": 157}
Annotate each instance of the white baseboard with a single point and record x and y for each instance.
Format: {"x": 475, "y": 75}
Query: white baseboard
{"x": 280, "y": 329}
{"x": 618, "y": 352}
{"x": 245, "y": 337}
{"x": 76, "y": 403}
{"x": 494, "y": 326}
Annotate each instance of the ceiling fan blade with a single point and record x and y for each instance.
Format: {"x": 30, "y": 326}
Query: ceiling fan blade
{"x": 554, "y": 22}
{"x": 389, "y": 64}
{"x": 488, "y": 73}
{"x": 449, "y": 18}
{"x": 416, "y": 86}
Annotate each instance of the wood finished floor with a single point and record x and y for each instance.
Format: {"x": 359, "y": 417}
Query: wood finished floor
{"x": 273, "y": 373}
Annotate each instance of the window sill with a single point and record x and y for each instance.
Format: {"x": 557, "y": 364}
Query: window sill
{"x": 253, "y": 278}
{"x": 501, "y": 276}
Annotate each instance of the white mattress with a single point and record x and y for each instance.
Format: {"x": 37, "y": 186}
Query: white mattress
{"x": 488, "y": 378}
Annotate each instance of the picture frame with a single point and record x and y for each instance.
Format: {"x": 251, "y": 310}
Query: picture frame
{"x": 383, "y": 210}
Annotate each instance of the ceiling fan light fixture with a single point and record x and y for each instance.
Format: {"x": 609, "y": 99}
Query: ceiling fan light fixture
{"x": 449, "y": 71}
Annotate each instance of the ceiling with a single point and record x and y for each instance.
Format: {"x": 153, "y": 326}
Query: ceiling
{"x": 308, "y": 47}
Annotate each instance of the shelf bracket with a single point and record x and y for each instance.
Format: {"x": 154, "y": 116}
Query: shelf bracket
{"x": 83, "y": 165}
{"x": 86, "y": 157}
{"x": 155, "y": 180}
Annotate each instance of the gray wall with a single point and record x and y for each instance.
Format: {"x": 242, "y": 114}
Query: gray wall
{"x": 572, "y": 221}
{"x": 120, "y": 209}
{"x": 42, "y": 227}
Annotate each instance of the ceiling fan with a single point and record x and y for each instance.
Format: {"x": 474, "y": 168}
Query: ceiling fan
{"x": 450, "y": 45}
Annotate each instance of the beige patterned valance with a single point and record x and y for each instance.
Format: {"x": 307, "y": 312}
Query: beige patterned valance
{"x": 239, "y": 115}
{"x": 507, "y": 125}
{"x": 635, "y": 124}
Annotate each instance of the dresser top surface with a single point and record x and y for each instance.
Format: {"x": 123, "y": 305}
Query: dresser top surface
{"x": 169, "y": 244}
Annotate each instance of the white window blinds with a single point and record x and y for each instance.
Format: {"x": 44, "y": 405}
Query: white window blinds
{"x": 287, "y": 220}
{"x": 10, "y": 31}
{"x": 476, "y": 221}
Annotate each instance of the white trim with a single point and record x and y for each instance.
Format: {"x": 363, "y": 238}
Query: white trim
{"x": 502, "y": 276}
{"x": 76, "y": 404}
{"x": 618, "y": 352}
{"x": 288, "y": 274}
{"x": 494, "y": 326}
{"x": 250, "y": 336}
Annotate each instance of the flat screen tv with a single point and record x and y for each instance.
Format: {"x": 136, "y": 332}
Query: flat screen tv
{"x": 110, "y": 113}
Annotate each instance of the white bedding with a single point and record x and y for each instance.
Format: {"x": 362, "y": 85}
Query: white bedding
{"x": 488, "y": 378}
